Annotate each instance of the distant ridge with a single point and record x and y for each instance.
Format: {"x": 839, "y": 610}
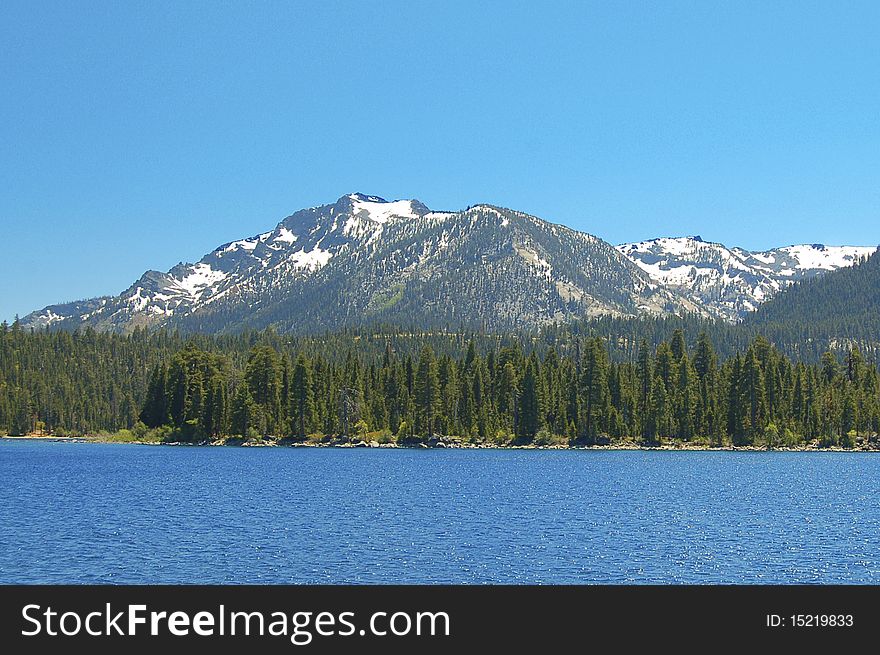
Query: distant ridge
{"x": 732, "y": 282}
{"x": 848, "y": 298}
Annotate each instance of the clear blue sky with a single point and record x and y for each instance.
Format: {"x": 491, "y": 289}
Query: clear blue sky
{"x": 136, "y": 135}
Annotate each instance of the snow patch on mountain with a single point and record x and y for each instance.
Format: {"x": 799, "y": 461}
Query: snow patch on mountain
{"x": 312, "y": 259}
{"x": 245, "y": 244}
{"x": 285, "y": 235}
{"x": 809, "y": 259}
{"x": 50, "y": 317}
{"x": 201, "y": 277}
{"x": 379, "y": 210}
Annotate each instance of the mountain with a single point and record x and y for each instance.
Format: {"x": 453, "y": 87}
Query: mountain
{"x": 732, "y": 282}
{"x": 365, "y": 260}
{"x": 844, "y": 302}
{"x": 59, "y": 314}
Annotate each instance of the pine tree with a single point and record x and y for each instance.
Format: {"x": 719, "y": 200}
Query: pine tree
{"x": 449, "y": 410}
{"x": 830, "y": 369}
{"x": 855, "y": 364}
{"x": 21, "y": 423}
{"x": 645, "y": 376}
{"x": 302, "y": 400}
{"x": 508, "y": 391}
{"x": 178, "y": 405}
{"x": 678, "y": 345}
{"x": 661, "y": 409}
{"x": 736, "y": 422}
{"x": 427, "y": 393}
{"x": 704, "y": 359}
{"x": 243, "y": 410}
{"x": 705, "y": 366}
{"x": 155, "y": 407}
{"x": 480, "y": 405}
{"x": 594, "y": 387}
{"x": 755, "y": 395}
{"x": 350, "y": 410}
{"x": 685, "y": 400}
{"x": 263, "y": 378}
{"x": 665, "y": 366}
{"x": 214, "y": 419}
{"x": 530, "y": 402}
{"x": 848, "y": 419}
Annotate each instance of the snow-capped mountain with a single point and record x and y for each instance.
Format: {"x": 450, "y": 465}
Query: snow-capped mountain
{"x": 793, "y": 263}
{"x": 731, "y": 282}
{"x": 363, "y": 259}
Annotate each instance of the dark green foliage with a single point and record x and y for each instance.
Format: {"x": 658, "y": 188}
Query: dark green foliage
{"x": 155, "y": 410}
{"x": 566, "y": 387}
{"x": 263, "y": 377}
{"x": 594, "y": 390}
{"x": 427, "y": 393}
{"x": 529, "y": 411}
{"x": 244, "y": 412}
{"x": 815, "y": 314}
{"x": 302, "y": 399}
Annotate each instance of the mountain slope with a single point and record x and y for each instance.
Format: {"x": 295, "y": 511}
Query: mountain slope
{"x": 793, "y": 263}
{"x": 732, "y": 282}
{"x": 831, "y": 312}
{"x": 363, "y": 259}
{"x": 847, "y": 296}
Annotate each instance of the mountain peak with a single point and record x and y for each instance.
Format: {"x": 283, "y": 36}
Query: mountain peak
{"x": 380, "y": 210}
{"x": 362, "y": 197}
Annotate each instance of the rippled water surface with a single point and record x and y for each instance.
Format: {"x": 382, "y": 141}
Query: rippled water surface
{"x": 95, "y": 513}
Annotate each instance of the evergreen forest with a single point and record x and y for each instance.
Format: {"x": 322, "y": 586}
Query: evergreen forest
{"x": 646, "y": 382}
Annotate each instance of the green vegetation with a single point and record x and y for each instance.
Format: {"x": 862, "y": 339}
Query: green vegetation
{"x": 842, "y": 307}
{"x": 386, "y": 300}
{"x": 393, "y": 387}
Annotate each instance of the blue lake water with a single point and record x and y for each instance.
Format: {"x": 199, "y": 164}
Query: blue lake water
{"x": 104, "y": 513}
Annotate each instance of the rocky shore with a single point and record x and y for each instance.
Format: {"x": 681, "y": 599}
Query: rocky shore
{"x": 441, "y": 443}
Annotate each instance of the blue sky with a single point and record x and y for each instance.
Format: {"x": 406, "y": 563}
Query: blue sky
{"x": 137, "y": 135}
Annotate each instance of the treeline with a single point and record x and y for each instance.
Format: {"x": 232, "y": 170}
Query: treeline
{"x": 797, "y": 337}
{"x": 557, "y": 387}
{"x": 86, "y": 382}
{"x": 506, "y": 396}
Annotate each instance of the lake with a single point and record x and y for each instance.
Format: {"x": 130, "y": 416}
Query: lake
{"x": 108, "y": 513}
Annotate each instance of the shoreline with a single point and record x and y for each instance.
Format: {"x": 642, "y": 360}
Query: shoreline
{"x": 441, "y": 445}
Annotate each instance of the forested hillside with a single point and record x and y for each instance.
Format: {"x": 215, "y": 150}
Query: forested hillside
{"x": 566, "y": 387}
{"x": 842, "y": 308}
